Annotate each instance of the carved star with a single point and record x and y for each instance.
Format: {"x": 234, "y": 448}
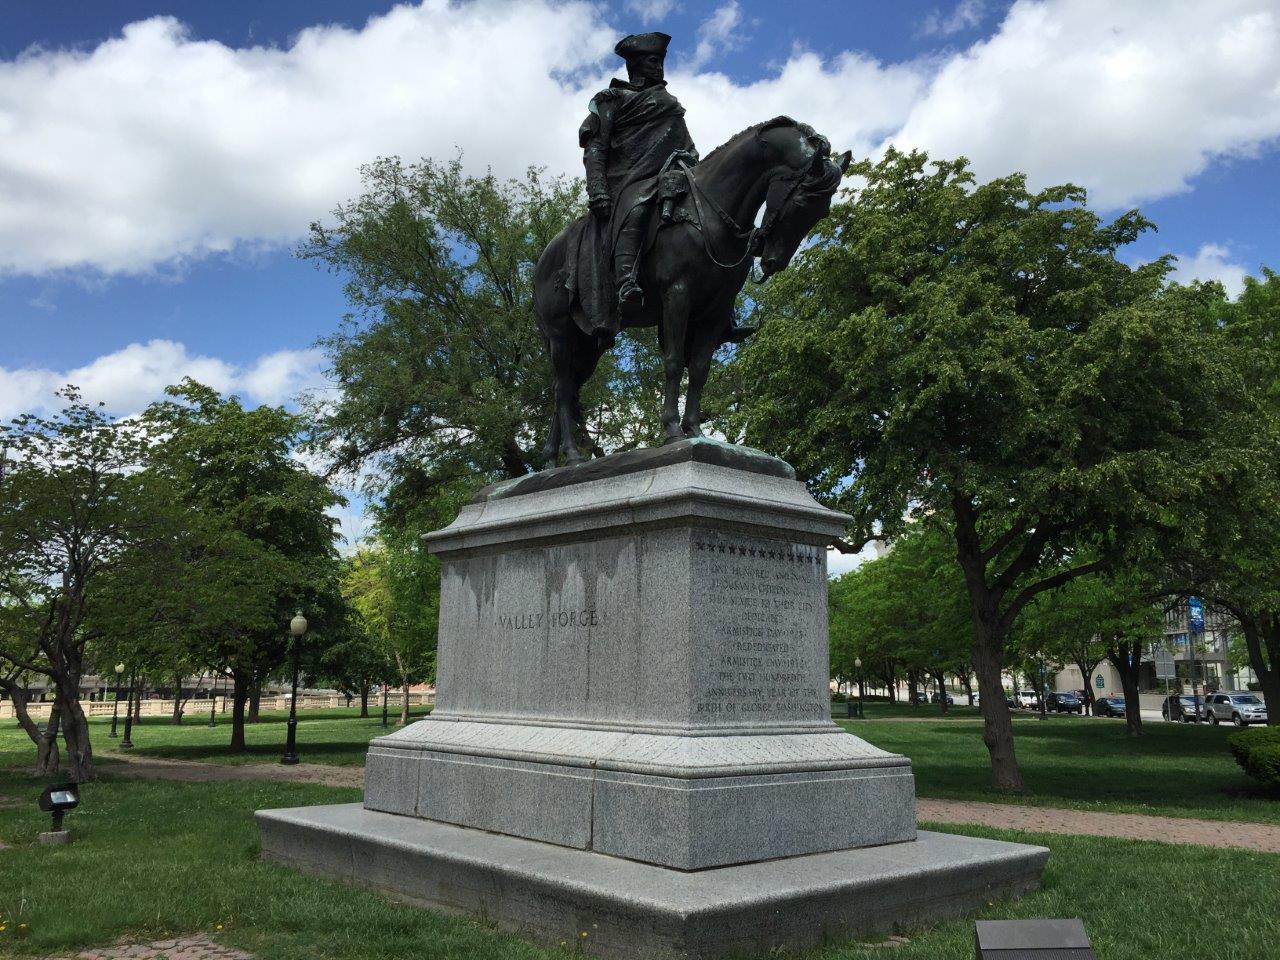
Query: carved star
{"x": 722, "y": 548}
{"x": 733, "y": 549}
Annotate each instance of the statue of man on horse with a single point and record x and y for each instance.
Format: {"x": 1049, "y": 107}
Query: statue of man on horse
{"x": 621, "y": 266}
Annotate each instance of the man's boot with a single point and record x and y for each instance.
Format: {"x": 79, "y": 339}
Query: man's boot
{"x": 626, "y": 261}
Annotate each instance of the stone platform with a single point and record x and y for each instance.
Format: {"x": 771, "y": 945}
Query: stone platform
{"x": 632, "y": 734}
{"x": 553, "y": 894}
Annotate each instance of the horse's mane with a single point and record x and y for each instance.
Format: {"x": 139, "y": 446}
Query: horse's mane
{"x": 779, "y": 121}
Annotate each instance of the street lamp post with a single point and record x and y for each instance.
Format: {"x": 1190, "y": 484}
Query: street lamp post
{"x": 297, "y": 627}
{"x": 115, "y": 707}
{"x": 213, "y": 703}
{"x": 857, "y": 665}
{"x": 127, "y": 742}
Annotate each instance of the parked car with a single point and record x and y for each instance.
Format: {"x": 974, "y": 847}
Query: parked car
{"x": 1108, "y": 707}
{"x": 1028, "y": 699}
{"x": 1181, "y": 707}
{"x": 936, "y": 697}
{"x": 1240, "y": 707}
{"x": 1064, "y": 702}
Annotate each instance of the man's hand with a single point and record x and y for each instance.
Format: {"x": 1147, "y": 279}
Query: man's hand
{"x": 601, "y": 207}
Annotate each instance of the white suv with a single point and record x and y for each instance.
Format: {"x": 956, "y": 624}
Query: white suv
{"x": 1240, "y": 707}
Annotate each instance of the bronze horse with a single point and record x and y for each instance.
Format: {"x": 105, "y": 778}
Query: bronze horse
{"x": 695, "y": 267}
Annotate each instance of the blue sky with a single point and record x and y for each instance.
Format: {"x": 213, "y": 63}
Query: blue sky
{"x": 160, "y": 160}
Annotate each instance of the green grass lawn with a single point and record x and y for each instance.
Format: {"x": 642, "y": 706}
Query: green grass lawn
{"x": 1174, "y": 769}
{"x": 160, "y": 858}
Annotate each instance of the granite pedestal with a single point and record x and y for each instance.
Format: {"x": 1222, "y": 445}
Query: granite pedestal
{"x": 632, "y": 666}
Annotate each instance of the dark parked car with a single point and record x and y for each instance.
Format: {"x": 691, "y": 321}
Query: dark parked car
{"x": 922, "y": 697}
{"x": 936, "y": 697}
{"x": 1108, "y": 707}
{"x": 1064, "y": 702}
{"x": 1181, "y": 707}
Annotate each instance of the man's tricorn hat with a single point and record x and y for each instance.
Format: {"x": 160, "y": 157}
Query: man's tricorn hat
{"x": 641, "y": 44}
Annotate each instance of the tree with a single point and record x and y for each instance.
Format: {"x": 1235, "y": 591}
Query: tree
{"x": 379, "y": 585}
{"x": 264, "y": 540}
{"x": 906, "y": 608}
{"x": 1232, "y": 558}
{"x": 1066, "y": 626}
{"x": 980, "y": 353}
{"x": 72, "y": 501}
{"x": 444, "y": 377}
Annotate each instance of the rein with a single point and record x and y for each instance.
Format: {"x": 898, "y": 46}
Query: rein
{"x": 753, "y": 235}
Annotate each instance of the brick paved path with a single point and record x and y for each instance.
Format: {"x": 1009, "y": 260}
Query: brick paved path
{"x": 182, "y": 948}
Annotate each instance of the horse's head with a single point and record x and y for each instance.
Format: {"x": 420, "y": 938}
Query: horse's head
{"x": 800, "y": 190}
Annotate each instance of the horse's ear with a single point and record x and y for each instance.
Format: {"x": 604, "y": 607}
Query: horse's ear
{"x": 844, "y": 160}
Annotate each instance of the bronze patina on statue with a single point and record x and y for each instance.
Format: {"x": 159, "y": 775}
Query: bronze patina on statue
{"x": 670, "y": 239}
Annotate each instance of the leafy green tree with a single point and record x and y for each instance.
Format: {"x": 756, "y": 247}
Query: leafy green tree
{"x": 264, "y": 545}
{"x": 981, "y": 353}
{"x": 1232, "y": 559}
{"x": 907, "y": 608}
{"x": 72, "y": 501}
{"x": 1065, "y": 625}
{"x": 444, "y": 376}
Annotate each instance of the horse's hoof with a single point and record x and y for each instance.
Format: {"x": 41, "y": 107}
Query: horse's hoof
{"x": 691, "y": 433}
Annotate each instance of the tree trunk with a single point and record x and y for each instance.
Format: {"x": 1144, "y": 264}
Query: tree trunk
{"x": 940, "y": 679}
{"x": 23, "y": 714}
{"x": 966, "y": 677}
{"x": 239, "y": 697}
{"x": 47, "y": 759}
{"x": 1262, "y": 638}
{"x": 135, "y": 699}
{"x": 1086, "y": 670}
{"x": 75, "y": 732}
{"x": 404, "y": 707}
{"x": 255, "y": 701}
{"x": 177, "y": 699}
{"x": 912, "y": 684}
{"x": 988, "y": 653}
{"x": 1126, "y": 657}
{"x": 997, "y": 723}
{"x": 364, "y": 700}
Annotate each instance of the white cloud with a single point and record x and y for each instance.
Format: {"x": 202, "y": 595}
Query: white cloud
{"x": 1129, "y": 104}
{"x": 966, "y": 15}
{"x": 155, "y": 146}
{"x": 716, "y": 34}
{"x": 130, "y": 378}
{"x": 650, "y": 11}
{"x": 1211, "y": 262}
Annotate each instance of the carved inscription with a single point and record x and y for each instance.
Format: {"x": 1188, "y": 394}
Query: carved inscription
{"x": 764, "y": 605}
{"x": 554, "y": 619}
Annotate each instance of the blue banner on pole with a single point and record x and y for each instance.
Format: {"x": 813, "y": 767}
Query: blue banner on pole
{"x": 1195, "y": 615}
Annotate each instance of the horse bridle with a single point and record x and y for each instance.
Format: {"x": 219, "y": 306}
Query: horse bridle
{"x": 754, "y": 236}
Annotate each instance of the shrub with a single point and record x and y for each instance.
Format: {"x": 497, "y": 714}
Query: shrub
{"x": 1258, "y": 752}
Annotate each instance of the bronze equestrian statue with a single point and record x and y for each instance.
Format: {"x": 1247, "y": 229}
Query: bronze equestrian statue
{"x": 621, "y": 266}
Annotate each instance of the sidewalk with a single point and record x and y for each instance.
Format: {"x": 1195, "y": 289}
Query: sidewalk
{"x": 1128, "y": 826}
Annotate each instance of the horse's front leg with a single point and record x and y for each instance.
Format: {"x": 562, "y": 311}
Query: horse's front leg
{"x": 675, "y": 326}
{"x": 562, "y": 427}
{"x": 702, "y": 347}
